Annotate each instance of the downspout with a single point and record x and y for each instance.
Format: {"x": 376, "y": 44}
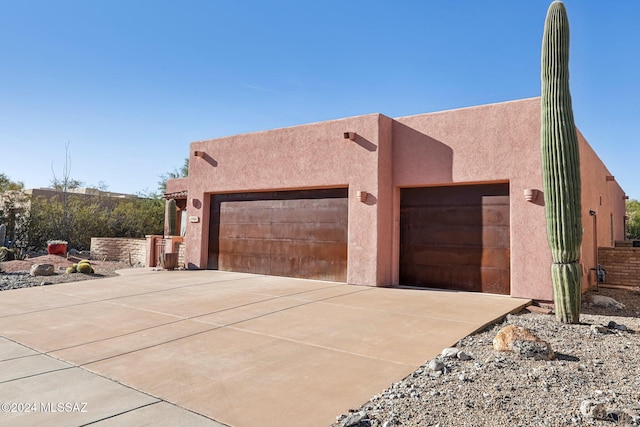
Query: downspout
{"x": 593, "y": 214}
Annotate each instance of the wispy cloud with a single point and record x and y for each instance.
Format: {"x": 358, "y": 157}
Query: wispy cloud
{"x": 258, "y": 88}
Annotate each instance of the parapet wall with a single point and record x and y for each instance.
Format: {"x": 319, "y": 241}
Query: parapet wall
{"x": 132, "y": 251}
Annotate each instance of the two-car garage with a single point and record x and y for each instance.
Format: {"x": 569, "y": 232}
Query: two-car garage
{"x": 281, "y": 233}
{"x": 452, "y": 237}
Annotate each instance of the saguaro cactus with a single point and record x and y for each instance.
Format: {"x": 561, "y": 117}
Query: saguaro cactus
{"x": 561, "y": 167}
{"x": 3, "y": 233}
{"x": 172, "y": 214}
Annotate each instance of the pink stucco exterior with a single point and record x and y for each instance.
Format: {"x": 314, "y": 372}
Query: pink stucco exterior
{"x": 497, "y": 143}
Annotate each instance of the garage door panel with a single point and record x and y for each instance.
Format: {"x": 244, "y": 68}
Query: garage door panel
{"x": 286, "y": 231}
{"x": 456, "y": 237}
{"x": 466, "y": 278}
{"x": 245, "y": 263}
{"x": 493, "y": 279}
{"x": 293, "y": 233}
{"x": 244, "y": 246}
{"x": 438, "y": 234}
{"x": 437, "y": 255}
{"x": 245, "y": 231}
{"x": 335, "y": 232}
{"x": 307, "y": 268}
{"x": 445, "y": 215}
{"x": 243, "y": 213}
{"x": 490, "y": 214}
{"x": 466, "y": 235}
{"x": 306, "y": 249}
{"x": 495, "y": 258}
{"x": 458, "y": 195}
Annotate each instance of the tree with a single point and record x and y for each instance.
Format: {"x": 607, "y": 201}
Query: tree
{"x": 93, "y": 216}
{"x": 12, "y": 202}
{"x": 138, "y": 217}
{"x": 182, "y": 173}
{"x": 62, "y": 185}
{"x": 6, "y": 184}
{"x": 633, "y": 221}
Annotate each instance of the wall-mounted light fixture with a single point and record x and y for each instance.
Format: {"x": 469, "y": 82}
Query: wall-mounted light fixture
{"x": 592, "y": 212}
{"x": 198, "y": 153}
{"x": 610, "y": 178}
{"x": 362, "y": 196}
{"x": 531, "y": 194}
{"x": 349, "y": 135}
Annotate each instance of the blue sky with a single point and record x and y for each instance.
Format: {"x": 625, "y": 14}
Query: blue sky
{"x": 129, "y": 84}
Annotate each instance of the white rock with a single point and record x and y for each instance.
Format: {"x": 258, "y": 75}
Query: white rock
{"x": 42, "y": 270}
{"x": 604, "y": 301}
{"x": 450, "y": 352}
{"x": 592, "y": 409}
{"x": 436, "y": 365}
{"x": 599, "y": 330}
{"x": 464, "y": 356}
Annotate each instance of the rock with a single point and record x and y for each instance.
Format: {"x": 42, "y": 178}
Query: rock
{"x": 592, "y": 409}
{"x": 538, "y": 349}
{"x": 464, "y": 356}
{"x": 450, "y": 352}
{"x": 353, "y": 419}
{"x": 599, "y": 330}
{"x": 42, "y": 270}
{"x": 521, "y": 341}
{"x": 614, "y": 325}
{"x": 604, "y": 301}
{"x": 436, "y": 365}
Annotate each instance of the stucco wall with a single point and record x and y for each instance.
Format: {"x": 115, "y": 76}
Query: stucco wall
{"x": 607, "y": 200}
{"x": 309, "y": 156}
{"x": 489, "y": 143}
{"x": 177, "y": 184}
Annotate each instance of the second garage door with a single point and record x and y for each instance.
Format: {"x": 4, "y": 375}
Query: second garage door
{"x": 456, "y": 237}
{"x": 281, "y": 233}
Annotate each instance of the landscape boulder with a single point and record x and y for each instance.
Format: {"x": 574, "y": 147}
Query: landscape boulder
{"x": 604, "y": 301}
{"x": 42, "y": 270}
{"x": 523, "y": 342}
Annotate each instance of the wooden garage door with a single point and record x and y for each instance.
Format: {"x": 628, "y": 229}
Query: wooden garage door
{"x": 284, "y": 233}
{"x": 455, "y": 237}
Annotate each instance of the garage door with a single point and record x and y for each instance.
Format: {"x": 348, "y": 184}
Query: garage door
{"x": 283, "y": 233}
{"x": 455, "y": 237}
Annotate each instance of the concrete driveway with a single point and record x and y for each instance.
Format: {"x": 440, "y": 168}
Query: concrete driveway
{"x": 209, "y": 348}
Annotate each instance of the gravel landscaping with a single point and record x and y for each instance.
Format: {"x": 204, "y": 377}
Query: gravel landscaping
{"x": 594, "y": 379}
{"x": 15, "y": 274}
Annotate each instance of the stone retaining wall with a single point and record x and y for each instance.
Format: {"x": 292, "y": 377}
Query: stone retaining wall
{"x": 119, "y": 249}
{"x": 622, "y": 265}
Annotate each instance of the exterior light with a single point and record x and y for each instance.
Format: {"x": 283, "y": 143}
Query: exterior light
{"x": 531, "y": 194}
